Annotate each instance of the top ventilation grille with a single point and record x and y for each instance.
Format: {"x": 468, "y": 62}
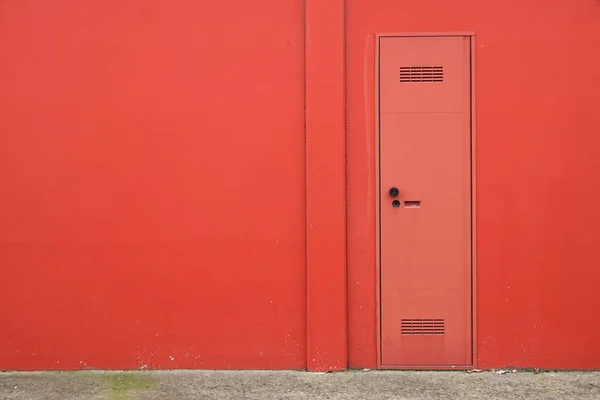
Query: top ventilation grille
{"x": 422, "y": 326}
{"x": 422, "y": 74}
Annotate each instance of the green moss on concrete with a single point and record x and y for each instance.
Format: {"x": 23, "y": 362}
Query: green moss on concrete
{"x": 121, "y": 385}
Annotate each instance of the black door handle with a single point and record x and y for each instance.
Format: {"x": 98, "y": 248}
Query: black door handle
{"x": 394, "y": 192}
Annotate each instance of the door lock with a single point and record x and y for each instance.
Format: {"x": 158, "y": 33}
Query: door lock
{"x": 394, "y": 192}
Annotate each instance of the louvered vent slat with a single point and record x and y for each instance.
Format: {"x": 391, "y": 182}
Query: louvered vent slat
{"x": 422, "y": 74}
{"x": 420, "y": 326}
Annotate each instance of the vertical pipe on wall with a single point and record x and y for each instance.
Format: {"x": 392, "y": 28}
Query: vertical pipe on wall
{"x": 325, "y": 185}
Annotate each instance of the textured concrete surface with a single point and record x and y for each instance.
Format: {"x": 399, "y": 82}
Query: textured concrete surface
{"x": 298, "y": 385}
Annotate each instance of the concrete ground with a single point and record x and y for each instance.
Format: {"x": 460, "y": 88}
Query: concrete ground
{"x": 370, "y": 385}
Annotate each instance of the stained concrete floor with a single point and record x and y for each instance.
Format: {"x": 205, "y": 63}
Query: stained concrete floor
{"x": 370, "y": 385}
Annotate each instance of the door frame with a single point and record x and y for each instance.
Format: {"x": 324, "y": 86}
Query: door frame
{"x": 471, "y": 36}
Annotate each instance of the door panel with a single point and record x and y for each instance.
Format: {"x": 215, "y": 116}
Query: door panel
{"x": 425, "y": 152}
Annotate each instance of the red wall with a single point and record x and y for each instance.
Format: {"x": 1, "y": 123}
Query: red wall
{"x": 152, "y": 166}
{"x": 172, "y": 179}
{"x": 538, "y": 219}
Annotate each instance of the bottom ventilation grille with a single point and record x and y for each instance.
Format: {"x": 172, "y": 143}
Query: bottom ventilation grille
{"x": 423, "y": 326}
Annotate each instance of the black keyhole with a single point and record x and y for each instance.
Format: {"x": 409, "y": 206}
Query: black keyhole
{"x": 395, "y": 203}
{"x": 394, "y": 192}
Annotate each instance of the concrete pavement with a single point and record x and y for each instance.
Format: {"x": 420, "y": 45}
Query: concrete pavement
{"x": 372, "y": 385}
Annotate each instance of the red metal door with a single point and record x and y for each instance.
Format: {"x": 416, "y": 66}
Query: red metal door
{"x": 425, "y": 153}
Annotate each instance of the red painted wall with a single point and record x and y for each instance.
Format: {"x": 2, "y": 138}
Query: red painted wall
{"x": 172, "y": 178}
{"x": 325, "y": 186}
{"x": 538, "y": 220}
{"x": 152, "y": 168}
